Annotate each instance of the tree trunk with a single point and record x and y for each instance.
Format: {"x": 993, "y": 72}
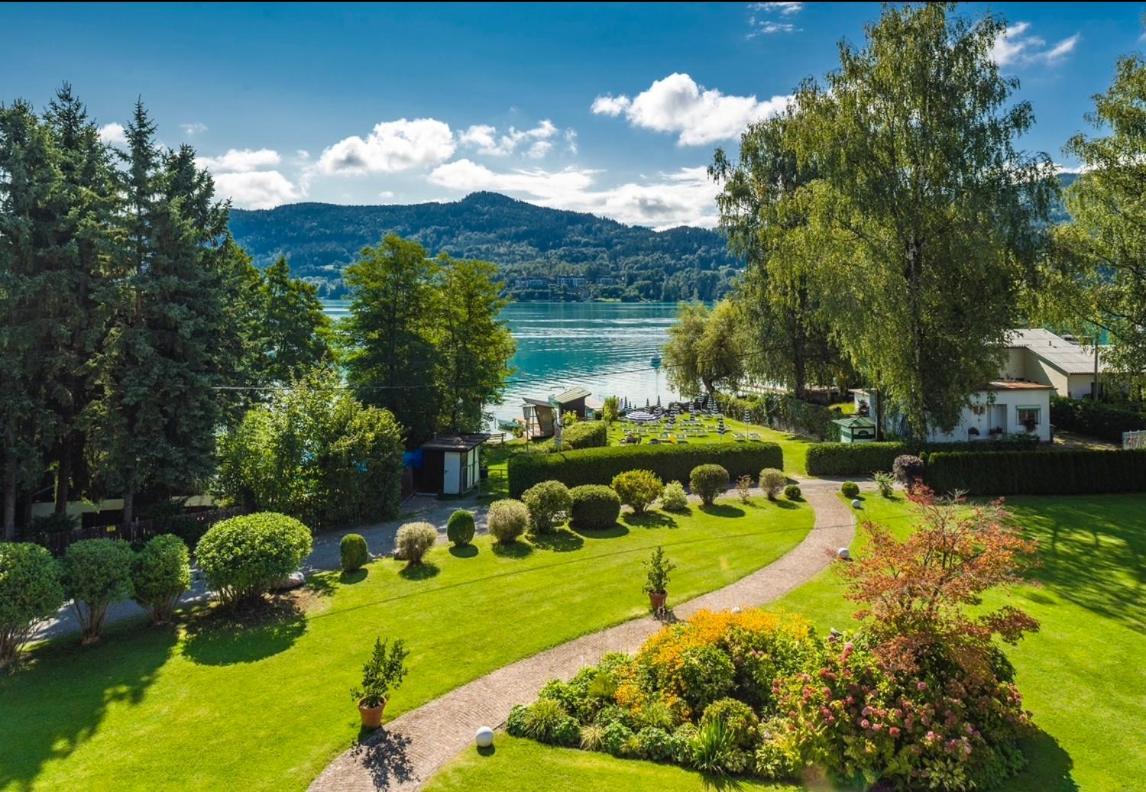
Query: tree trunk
{"x": 10, "y": 496}
{"x": 878, "y": 414}
{"x": 64, "y": 476}
{"x": 128, "y": 508}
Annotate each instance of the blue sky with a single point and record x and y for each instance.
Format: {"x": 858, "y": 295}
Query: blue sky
{"x": 611, "y": 109}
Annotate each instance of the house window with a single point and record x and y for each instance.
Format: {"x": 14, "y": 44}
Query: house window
{"x": 1029, "y": 417}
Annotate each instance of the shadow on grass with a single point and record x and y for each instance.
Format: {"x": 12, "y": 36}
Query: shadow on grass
{"x": 614, "y": 531}
{"x": 561, "y": 541}
{"x": 784, "y": 503}
{"x": 1048, "y": 768}
{"x": 422, "y": 571}
{"x": 354, "y": 576}
{"x": 685, "y": 512}
{"x": 723, "y": 510}
{"x": 512, "y": 550}
{"x": 247, "y": 634}
{"x": 488, "y": 750}
{"x": 652, "y": 519}
{"x": 58, "y": 695}
{"x": 465, "y": 551}
{"x": 324, "y": 584}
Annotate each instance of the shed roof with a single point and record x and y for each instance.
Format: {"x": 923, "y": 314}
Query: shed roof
{"x": 1004, "y": 385}
{"x": 855, "y": 422}
{"x": 1066, "y": 356}
{"x": 573, "y": 394}
{"x": 456, "y": 442}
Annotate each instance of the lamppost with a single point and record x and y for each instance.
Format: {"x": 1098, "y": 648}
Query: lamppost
{"x": 556, "y": 422}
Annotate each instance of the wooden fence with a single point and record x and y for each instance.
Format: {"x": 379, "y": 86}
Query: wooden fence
{"x": 137, "y": 531}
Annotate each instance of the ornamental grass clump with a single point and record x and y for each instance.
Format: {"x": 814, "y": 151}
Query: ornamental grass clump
{"x": 885, "y": 482}
{"x": 30, "y": 590}
{"x": 414, "y": 540}
{"x": 772, "y": 481}
{"x": 508, "y": 519}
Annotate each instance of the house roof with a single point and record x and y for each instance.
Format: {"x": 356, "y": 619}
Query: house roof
{"x": 573, "y": 394}
{"x": 1015, "y": 385}
{"x": 536, "y": 402}
{"x": 1066, "y": 356}
{"x": 457, "y": 442}
{"x": 855, "y": 422}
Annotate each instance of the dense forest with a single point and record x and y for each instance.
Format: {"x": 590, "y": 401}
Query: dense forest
{"x": 542, "y": 253}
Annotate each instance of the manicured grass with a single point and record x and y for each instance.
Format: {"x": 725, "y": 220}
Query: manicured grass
{"x": 795, "y": 447}
{"x": 265, "y": 704}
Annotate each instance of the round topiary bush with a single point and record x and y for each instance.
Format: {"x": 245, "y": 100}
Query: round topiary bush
{"x": 595, "y": 507}
{"x": 792, "y": 492}
{"x": 414, "y": 540}
{"x": 850, "y": 489}
{"x": 30, "y": 590}
{"x": 244, "y": 556}
{"x": 637, "y": 489}
{"x": 160, "y": 575}
{"x": 460, "y": 529}
{"x": 507, "y": 520}
{"x": 353, "y": 552}
{"x": 908, "y": 469}
{"x": 772, "y": 481}
{"x": 96, "y": 573}
{"x": 708, "y": 481}
{"x": 674, "y": 498}
{"x": 548, "y": 504}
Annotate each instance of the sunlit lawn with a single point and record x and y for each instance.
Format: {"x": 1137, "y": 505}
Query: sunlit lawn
{"x": 267, "y": 705}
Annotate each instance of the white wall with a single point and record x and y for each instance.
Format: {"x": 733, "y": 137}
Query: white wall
{"x": 1006, "y": 402}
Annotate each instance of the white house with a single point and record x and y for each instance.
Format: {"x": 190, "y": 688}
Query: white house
{"x": 1038, "y": 355}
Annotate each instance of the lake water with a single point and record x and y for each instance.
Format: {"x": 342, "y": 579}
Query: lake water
{"x": 604, "y": 347}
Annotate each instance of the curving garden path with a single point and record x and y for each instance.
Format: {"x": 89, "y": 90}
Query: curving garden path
{"x": 407, "y": 751}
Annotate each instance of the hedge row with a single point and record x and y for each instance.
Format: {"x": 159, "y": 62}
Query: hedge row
{"x": 585, "y": 434}
{"x": 670, "y": 462}
{"x": 1037, "y": 472}
{"x": 863, "y": 459}
{"x": 1095, "y": 418}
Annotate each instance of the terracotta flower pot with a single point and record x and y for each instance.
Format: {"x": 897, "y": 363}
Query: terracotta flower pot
{"x": 657, "y": 600}
{"x": 371, "y": 716}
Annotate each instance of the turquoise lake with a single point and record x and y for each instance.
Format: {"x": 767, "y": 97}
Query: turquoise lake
{"x": 605, "y": 347}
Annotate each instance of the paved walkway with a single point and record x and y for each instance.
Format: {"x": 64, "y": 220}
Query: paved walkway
{"x": 410, "y": 749}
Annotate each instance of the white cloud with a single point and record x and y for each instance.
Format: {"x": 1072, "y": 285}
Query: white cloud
{"x": 1015, "y": 47}
{"x": 113, "y": 134}
{"x": 241, "y": 160}
{"x": 784, "y": 9}
{"x": 390, "y": 147}
{"x": 571, "y": 141}
{"x": 257, "y": 189}
{"x": 700, "y": 116}
{"x": 485, "y": 139}
{"x": 194, "y": 128}
{"x": 762, "y": 19}
{"x": 686, "y": 197}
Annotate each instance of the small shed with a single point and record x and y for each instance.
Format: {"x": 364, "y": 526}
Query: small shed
{"x": 540, "y": 414}
{"x": 856, "y": 429}
{"x": 450, "y": 464}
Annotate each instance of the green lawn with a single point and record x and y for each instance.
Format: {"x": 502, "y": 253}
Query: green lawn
{"x": 266, "y": 705}
{"x": 1080, "y": 674}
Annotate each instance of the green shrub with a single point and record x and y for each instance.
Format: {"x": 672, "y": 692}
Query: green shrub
{"x": 461, "y": 528}
{"x": 548, "y": 504}
{"x": 654, "y": 744}
{"x": 674, "y": 498}
{"x": 772, "y": 481}
{"x": 160, "y": 574}
{"x": 864, "y": 459}
{"x": 668, "y": 461}
{"x": 592, "y": 737}
{"x": 708, "y": 481}
{"x": 244, "y": 556}
{"x": 545, "y": 721}
{"x": 907, "y": 469}
{"x": 850, "y": 489}
{"x": 1074, "y": 472}
{"x": 738, "y": 718}
{"x": 56, "y": 522}
{"x": 1095, "y": 419}
{"x": 637, "y": 488}
{"x": 885, "y": 481}
{"x": 414, "y": 540}
{"x": 383, "y": 672}
{"x": 706, "y": 674}
{"x": 615, "y": 737}
{"x": 714, "y": 752}
{"x": 595, "y": 507}
{"x": 507, "y": 520}
{"x": 96, "y": 573}
{"x": 792, "y": 492}
{"x": 585, "y": 434}
{"x": 353, "y": 552}
{"x": 30, "y": 590}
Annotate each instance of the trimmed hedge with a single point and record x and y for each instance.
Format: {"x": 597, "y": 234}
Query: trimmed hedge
{"x": 353, "y": 552}
{"x": 1037, "y": 472}
{"x": 863, "y": 459}
{"x": 586, "y": 434}
{"x": 599, "y": 465}
{"x": 1095, "y": 419}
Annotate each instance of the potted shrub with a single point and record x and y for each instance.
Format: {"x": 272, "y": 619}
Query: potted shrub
{"x": 383, "y": 672}
{"x": 656, "y": 585}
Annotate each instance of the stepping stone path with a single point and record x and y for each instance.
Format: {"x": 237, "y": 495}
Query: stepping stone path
{"x": 406, "y": 752}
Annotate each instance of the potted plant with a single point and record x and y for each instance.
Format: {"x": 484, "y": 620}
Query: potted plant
{"x": 658, "y": 577}
{"x": 382, "y": 673}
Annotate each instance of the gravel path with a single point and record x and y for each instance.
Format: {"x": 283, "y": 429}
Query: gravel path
{"x": 410, "y": 749}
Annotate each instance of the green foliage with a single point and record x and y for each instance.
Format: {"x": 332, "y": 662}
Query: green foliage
{"x": 673, "y": 498}
{"x": 850, "y": 489}
{"x": 908, "y": 469}
{"x": 713, "y": 750}
{"x": 586, "y": 434}
{"x": 772, "y": 481}
{"x": 160, "y": 574}
{"x": 792, "y": 492}
{"x": 244, "y": 556}
{"x": 382, "y": 673}
{"x": 56, "y": 522}
{"x": 507, "y": 519}
{"x": 353, "y": 554}
{"x": 293, "y": 332}
{"x": 659, "y": 567}
{"x": 595, "y": 507}
{"x": 30, "y": 590}
{"x": 549, "y": 503}
{"x": 95, "y": 573}
{"x": 600, "y": 465}
{"x": 637, "y": 488}
{"x": 414, "y": 540}
{"x": 611, "y": 409}
{"x": 782, "y": 411}
{"x": 708, "y": 481}
{"x": 738, "y": 718}
{"x": 653, "y": 744}
{"x": 460, "y": 528}
{"x": 885, "y": 481}
{"x": 703, "y": 350}
{"x": 1070, "y": 472}
{"x": 316, "y": 454}
{"x": 1103, "y": 421}
{"x": 545, "y": 721}
{"x": 852, "y": 459}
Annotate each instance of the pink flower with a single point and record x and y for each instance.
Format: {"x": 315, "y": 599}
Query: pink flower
{"x": 864, "y": 724}
{"x": 921, "y": 685}
{"x": 893, "y": 731}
